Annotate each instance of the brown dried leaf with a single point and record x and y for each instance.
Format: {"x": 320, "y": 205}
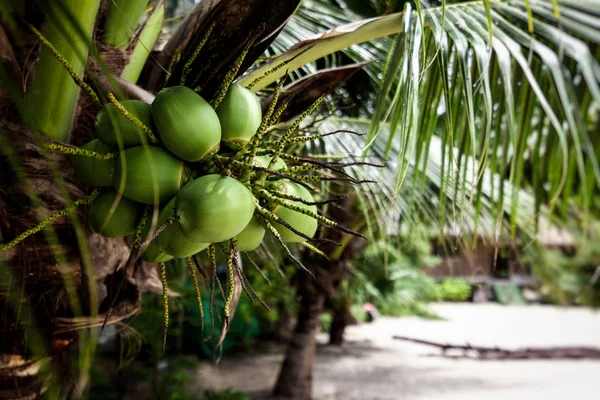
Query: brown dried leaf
{"x": 303, "y": 92}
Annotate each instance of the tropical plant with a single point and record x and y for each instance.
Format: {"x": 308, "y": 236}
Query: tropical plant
{"x": 499, "y": 93}
{"x": 391, "y": 275}
{"x": 452, "y": 289}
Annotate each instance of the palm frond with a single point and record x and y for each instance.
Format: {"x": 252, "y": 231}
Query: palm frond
{"x": 473, "y": 76}
{"x": 428, "y": 197}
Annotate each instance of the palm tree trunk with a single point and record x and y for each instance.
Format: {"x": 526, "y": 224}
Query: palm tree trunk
{"x": 295, "y": 377}
{"x": 339, "y": 322}
{"x": 40, "y": 281}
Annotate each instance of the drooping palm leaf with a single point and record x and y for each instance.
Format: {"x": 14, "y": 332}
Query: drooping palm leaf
{"x": 425, "y": 203}
{"x": 518, "y": 104}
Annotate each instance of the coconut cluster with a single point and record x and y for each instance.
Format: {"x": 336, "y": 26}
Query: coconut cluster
{"x": 169, "y": 159}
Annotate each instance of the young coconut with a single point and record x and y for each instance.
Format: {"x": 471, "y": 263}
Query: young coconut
{"x": 186, "y": 123}
{"x": 155, "y": 254}
{"x": 240, "y": 114}
{"x": 91, "y": 171}
{"x": 118, "y": 223}
{"x": 170, "y": 243}
{"x": 111, "y": 125}
{"x": 299, "y": 221}
{"x": 143, "y": 171}
{"x": 213, "y": 208}
{"x": 251, "y": 237}
{"x": 263, "y": 161}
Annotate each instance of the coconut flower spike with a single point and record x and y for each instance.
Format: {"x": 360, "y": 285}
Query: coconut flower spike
{"x": 277, "y": 68}
{"x": 163, "y": 278}
{"x": 187, "y": 67}
{"x": 248, "y": 289}
{"x": 288, "y": 133}
{"x": 213, "y": 263}
{"x": 137, "y": 238}
{"x": 268, "y": 215}
{"x": 238, "y": 271}
{"x": 256, "y": 139}
{"x": 194, "y": 277}
{"x": 231, "y": 285}
{"x": 133, "y": 119}
{"x": 310, "y": 138}
{"x": 268, "y": 227}
{"x": 46, "y": 221}
{"x": 324, "y": 220}
{"x": 174, "y": 60}
{"x": 78, "y": 151}
{"x": 230, "y": 76}
{"x": 315, "y": 250}
{"x": 287, "y": 196}
{"x": 86, "y": 88}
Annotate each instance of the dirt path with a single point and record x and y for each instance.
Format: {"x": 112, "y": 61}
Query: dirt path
{"x": 373, "y": 366}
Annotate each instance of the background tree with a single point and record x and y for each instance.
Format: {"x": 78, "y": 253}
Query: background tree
{"x": 444, "y": 82}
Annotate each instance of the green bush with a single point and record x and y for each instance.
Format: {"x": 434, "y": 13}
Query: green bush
{"x": 390, "y": 274}
{"x": 451, "y": 290}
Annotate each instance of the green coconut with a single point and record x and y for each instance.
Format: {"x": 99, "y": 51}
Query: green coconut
{"x": 174, "y": 242}
{"x": 179, "y": 246}
{"x": 91, "y": 171}
{"x": 121, "y": 221}
{"x": 263, "y": 161}
{"x": 170, "y": 242}
{"x": 213, "y": 208}
{"x": 301, "y": 222}
{"x": 240, "y": 114}
{"x": 155, "y": 254}
{"x": 155, "y": 250}
{"x": 111, "y": 125}
{"x": 186, "y": 123}
{"x": 145, "y": 171}
{"x": 251, "y": 237}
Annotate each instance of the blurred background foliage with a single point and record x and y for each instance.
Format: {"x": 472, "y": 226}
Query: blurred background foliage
{"x": 569, "y": 277}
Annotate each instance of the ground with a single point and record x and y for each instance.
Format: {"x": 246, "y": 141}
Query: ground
{"x": 374, "y": 366}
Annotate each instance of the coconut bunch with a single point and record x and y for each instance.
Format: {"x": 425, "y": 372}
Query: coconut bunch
{"x": 220, "y": 174}
{"x": 210, "y": 168}
{"x": 185, "y": 175}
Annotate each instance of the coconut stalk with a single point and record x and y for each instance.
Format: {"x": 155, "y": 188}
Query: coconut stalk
{"x": 146, "y": 41}
{"x": 121, "y": 21}
{"x": 52, "y": 96}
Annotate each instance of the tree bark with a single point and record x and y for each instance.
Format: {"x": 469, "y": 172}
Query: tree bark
{"x": 295, "y": 377}
{"x": 39, "y": 325}
{"x": 55, "y": 289}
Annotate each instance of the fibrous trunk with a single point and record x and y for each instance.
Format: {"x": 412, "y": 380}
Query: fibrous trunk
{"x": 56, "y": 285}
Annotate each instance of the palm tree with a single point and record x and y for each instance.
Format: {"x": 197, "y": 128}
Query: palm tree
{"x": 501, "y": 93}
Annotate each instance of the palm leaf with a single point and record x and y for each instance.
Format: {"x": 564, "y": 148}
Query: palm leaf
{"x": 425, "y": 202}
{"x": 515, "y": 101}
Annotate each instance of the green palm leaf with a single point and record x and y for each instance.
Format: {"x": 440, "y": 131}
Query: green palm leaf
{"x": 515, "y": 101}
